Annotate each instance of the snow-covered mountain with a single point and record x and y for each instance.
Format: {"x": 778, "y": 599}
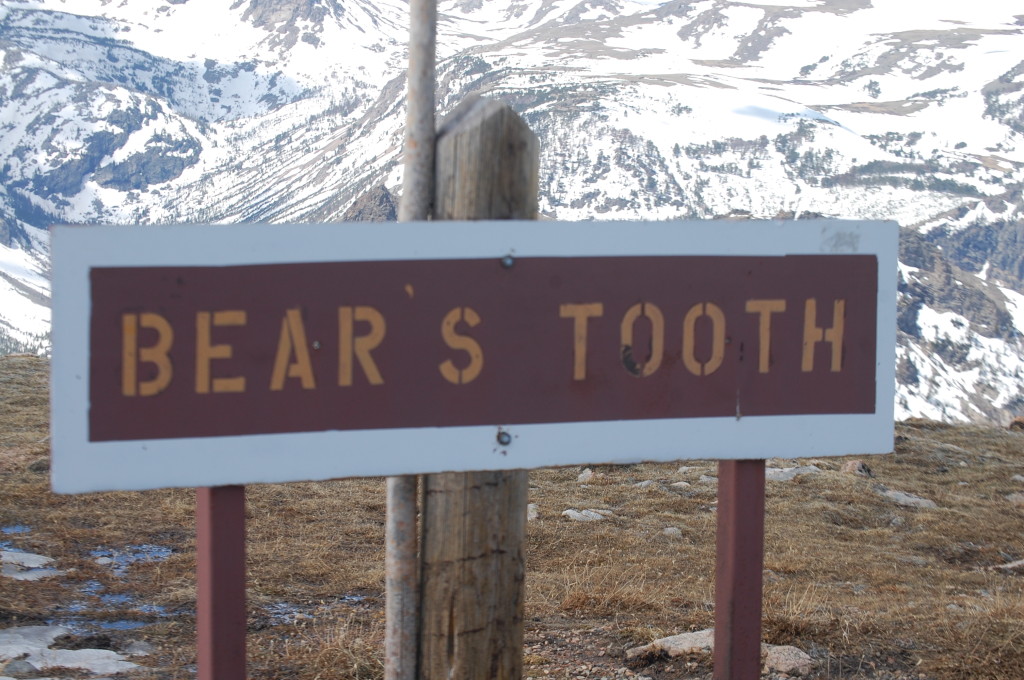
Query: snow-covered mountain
{"x": 291, "y": 110}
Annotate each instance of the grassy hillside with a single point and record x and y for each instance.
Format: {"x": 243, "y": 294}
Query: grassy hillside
{"x": 867, "y": 587}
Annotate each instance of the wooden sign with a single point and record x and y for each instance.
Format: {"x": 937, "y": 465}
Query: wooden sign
{"x": 206, "y": 355}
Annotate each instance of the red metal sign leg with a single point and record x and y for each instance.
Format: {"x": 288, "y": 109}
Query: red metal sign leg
{"x": 737, "y": 654}
{"x": 220, "y": 582}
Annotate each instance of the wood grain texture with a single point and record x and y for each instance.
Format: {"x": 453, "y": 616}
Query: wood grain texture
{"x": 473, "y": 575}
{"x": 487, "y": 163}
{"x": 474, "y": 524}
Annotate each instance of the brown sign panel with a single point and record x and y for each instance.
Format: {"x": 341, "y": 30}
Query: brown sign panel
{"x": 238, "y": 350}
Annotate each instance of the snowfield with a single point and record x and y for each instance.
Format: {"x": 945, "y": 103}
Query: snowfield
{"x": 154, "y": 112}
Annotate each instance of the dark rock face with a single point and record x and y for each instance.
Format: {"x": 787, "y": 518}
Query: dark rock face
{"x": 946, "y": 286}
{"x": 376, "y": 205}
{"x": 12, "y": 233}
{"x": 283, "y": 18}
{"x": 999, "y": 243}
{"x": 165, "y": 159}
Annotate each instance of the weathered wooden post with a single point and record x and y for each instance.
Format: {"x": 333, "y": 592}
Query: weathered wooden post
{"x": 474, "y": 523}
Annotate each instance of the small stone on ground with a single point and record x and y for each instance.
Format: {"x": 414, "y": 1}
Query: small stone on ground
{"x": 139, "y": 648}
{"x": 586, "y": 515}
{"x": 790, "y": 473}
{"x": 777, "y": 658}
{"x": 857, "y": 467}
{"x": 907, "y": 500}
{"x": 787, "y": 659}
{"x": 677, "y": 645}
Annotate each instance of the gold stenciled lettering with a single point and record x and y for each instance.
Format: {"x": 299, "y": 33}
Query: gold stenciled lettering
{"x": 357, "y": 348}
{"x": 132, "y": 355}
{"x": 206, "y": 351}
{"x": 629, "y": 354}
{"x": 717, "y": 318}
{"x": 292, "y": 358}
{"x": 813, "y": 334}
{"x": 580, "y": 314}
{"x": 764, "y": 309}
{"x": 453, "y": 339}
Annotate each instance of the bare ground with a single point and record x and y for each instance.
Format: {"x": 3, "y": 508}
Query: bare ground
{"x": 870, "y": 589}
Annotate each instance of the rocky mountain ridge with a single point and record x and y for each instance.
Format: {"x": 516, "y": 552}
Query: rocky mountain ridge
{"x": 291, "y": 110}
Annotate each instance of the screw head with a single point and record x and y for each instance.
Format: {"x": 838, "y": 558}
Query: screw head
{"x": 508, "y": 262}
{"x": 504, "y": 438}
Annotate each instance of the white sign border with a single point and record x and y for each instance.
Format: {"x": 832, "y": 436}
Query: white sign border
{"x": 79, "y": 465}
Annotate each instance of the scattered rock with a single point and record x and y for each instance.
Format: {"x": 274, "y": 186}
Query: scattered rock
{"x": 907, "y": 500}
{"x": 943, "y": 452}
{"x": 708, "y": 479}
{"x": 645, "y": 484}
{"x": 790, "y": 473}
{"x": 857, "y": 467}
{"x": 677, "y": 645}
{"x": 139, "y": 648}
{"x": 93, "y": 641}
{"x": 672, "y": 532}
{"x": 587, "y": 515}
{"x": 531, "y": 512}
{"x": 788, "y": 660}
{"x": 680, "y": 485}
{"x": 1016, "y": 499}
{"x": 777, "y": 659}
{"x": 1017, "y": 478}
{"x": 585, "y": 476}
{"x": 40, "y": 466}
{"x": 685, "y": 468}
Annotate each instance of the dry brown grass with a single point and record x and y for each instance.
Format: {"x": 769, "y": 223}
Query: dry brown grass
{"x": 870, "y": 589}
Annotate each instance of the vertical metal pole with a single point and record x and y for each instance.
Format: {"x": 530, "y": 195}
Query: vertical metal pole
{"x": 738, "y": 574}
{"x": 402, "y": 581}
{"x": 220, "y": 582}
{"x": 418, "y": 184}
{"x": 401, "y": 633}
